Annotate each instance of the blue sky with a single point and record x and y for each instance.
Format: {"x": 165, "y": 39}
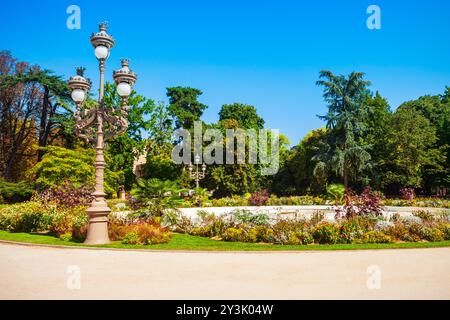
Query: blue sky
{"x": 264, "y": 53}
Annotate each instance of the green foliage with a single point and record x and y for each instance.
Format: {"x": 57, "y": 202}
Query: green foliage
{"x": 138, "y": 232}
{"x": 336, "y": 192}
{"x": 409, "y": 150}
{"x": 160, "y": 125}
{"x": 424, "y": 215}
{"x": 14, "y": 192}
{"x": 184, "y": 106}
{"x": 350, "y": 231}
{"x": 234, "y": 234}
{"x": 296, "y": 176}
{"x": 131, "y": 238}
{"x": 124, "y": 149}
{"x": 375, "y": 237}
{"x": 236, "y": 179}
{"x": 343, "y": 151}
{"x": 432, "y": 234}
{"x": 76, "y": 167}
{"x": 36, "y": 216}
{"x": 60, "y": 165}
{"x": 245, "y": 216}
{"x": 326, "y": 233}
{"x": 159, "y": 162}
{"x": 200, "y": 196}
{"x": 245, "y": 115}
{"x": 157, "y": 195}
{"x": 437, "y": 110}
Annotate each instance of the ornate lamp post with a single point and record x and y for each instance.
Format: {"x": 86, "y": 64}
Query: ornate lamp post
{"x": 100, "y": 123}
{"x": 197, "y": 175}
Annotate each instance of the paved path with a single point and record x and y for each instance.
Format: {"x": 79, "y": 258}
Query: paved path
{"x": 29, "y": 272}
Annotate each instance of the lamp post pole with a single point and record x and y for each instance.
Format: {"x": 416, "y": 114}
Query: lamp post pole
{"x": 197, "y": 175}
{"x": 90, "y": 125}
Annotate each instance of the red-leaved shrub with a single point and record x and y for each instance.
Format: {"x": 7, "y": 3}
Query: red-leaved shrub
{"x": 68, "y": 195}
{"x": 259, "y": 198}
{"x": 367, "y": 203}
{"x": 407, "y": 194}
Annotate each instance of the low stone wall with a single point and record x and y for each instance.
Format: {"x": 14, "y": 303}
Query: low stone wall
{"x": 290, "y": 211}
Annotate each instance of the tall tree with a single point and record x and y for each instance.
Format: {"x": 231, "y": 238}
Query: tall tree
{"x": 124, "y": 149}
{"x": 34, "y": 98}
{"x": 296, "y": 174}
{"x": 343, "y": 152}
{"x": 410, "y": 148}
{"x": 236, "y": 178}
{"x": 377, "y": 125}
{"x": 160, "y": 125}
{"x": 55, "y": 104}
{"x": 437, "y": 110}
{"x": 19, "y": 108}
{"x": 245, "y": 115}
{"x": 184, "y": 106}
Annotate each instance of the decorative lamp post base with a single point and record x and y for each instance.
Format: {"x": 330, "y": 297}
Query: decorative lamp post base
{"x": 98, "y": 224}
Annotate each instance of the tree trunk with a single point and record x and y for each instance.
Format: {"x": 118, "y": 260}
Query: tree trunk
{"x": 345, "y": 174}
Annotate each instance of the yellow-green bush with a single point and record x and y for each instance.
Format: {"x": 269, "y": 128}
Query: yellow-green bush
{"x": 35, "y": 216}
{"x": 375, "y": 237}
{"x": 234, "y": 234}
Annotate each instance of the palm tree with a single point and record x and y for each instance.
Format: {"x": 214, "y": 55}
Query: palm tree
{"x": 157, "y": 194}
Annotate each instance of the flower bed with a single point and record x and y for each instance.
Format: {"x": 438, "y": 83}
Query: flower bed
{"x": 70, "y": 223}
{"x": 243, "y": 226}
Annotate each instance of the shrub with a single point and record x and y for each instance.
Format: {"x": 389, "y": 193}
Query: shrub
{"x": 28, "y": 216}
{"x": 157, "y": 195}
{"x": 403, "y": 232}
{"x": 424, "y": 215}
{"x": 336, "y": 192}
{"x": 152, "y": 234}
{"x": 259, "y": 198}
{"x": 350, "y": 230}
{"x": 295, "y": 201}
{"x": 383, "y": 224}
{"x": 252, "y": 235}
{"x": 245, "y": 216}
{"x": 282, "y": 230}
{"x": 200, "y": 197}
{"x": 131, "y": 238}
{"x": 59, "y": 165}
{"x": 148, "y": 232}
{"x": 432, "y": 234}
{"x": 264, "y": 234}
{"x": 14, "y": 192}
{"x": 234, "y": 234}
{"x": 68, "y": 195}
{"x": 375, "y": 237}
{"x": 299, "y": 238}
{"x": 80, "y": 227}
{"x": 66, "y": 236}
{"x": 34, "y": 216}
{"x": 317, "y": 217}
{"x": 368, "y": 203}
{"x": 233, "y": 201}
{"x": 445, "y": 228}
{"x": 204, "y": 231}
{"x": 184, "y": 225}
{"x": 326, "y": 233}
{"x": 407, "y": 194}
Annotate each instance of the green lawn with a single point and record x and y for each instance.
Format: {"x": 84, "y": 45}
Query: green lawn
{"x": 187, "y": 242}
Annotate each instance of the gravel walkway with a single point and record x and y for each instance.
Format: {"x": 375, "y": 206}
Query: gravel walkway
{"x": 32, "y": 272}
